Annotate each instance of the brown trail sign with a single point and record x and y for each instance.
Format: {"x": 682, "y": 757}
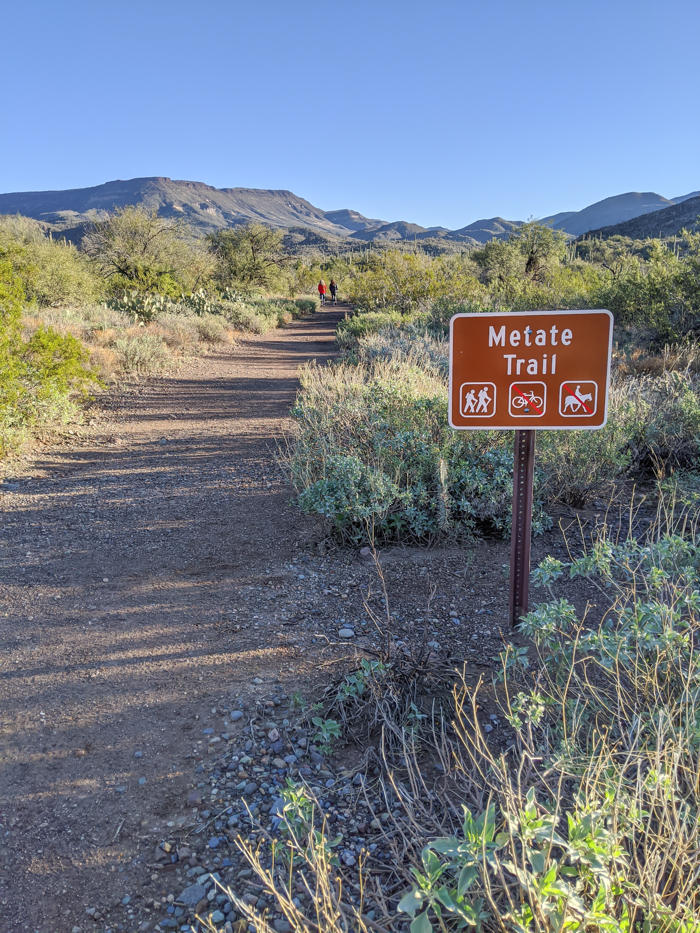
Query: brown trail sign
{"x": 528, "y": 371}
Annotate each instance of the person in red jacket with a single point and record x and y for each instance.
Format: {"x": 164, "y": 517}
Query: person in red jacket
{"x": 322, "y": 292}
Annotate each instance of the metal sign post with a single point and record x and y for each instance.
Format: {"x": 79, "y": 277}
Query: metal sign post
{"x": 528, "y": 371}
{"x": 521, "y": 529}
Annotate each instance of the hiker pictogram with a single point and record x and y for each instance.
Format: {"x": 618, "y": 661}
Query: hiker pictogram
{"x": 578, "y": 398}
{"x": 527, "y": 399}
{"x": 478, "y": 399}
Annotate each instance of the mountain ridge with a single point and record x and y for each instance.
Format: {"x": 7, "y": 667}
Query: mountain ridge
{"x": 208, "y": 209}
{"x": 615, "y": 209}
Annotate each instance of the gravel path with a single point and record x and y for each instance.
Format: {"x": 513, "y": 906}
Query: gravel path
{"x": 130, "y": 568}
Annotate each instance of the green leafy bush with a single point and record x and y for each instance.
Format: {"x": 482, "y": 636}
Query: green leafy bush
{"x": 39, "y": 375}
{"x": 52, "y": 272}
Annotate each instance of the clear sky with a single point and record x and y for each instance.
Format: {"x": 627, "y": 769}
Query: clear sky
{"x": 438, "y": 112}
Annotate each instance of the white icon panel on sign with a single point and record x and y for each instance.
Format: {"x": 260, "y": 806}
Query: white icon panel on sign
{"x": 579, "y": 399}
{"x": 527, "y": 399}
{"x": 477, "y": 399}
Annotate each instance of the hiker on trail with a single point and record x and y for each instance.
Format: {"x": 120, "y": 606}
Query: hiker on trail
{"x": 322, "y": 291}
{"x": 334, "y": 291}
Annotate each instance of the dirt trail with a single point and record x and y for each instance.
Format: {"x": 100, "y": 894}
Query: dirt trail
{"x": 130, "y": 569}
{"x": 160, "y": 592}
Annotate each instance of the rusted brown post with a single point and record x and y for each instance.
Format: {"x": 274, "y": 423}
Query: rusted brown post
{"x": 521, "y": 533}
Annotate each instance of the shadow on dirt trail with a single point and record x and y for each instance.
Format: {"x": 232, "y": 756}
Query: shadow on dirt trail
{"x": 146, "y": 576}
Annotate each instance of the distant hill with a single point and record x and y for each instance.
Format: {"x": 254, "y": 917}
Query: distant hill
{"x": 302, "y": 241}
{"x": 667, "y": 222}
{"x": 205, "y": 208}
{"x": 613, "y": 210}
{"x": 481, "y": 231}
{"x": 399, "y": 230}
{"x": 351, "y": 220}
{"x": 686, "y": 197}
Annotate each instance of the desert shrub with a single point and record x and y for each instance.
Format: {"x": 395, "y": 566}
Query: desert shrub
{"x": 373, "y": 451}
{"x": 52, "y": 272}
{"x": 349, "y": 331}
{"x": 39, "y": 374}
{"x": 141, "y": 352}
{"x": 307, "y": 305}
{"x": 665, "y": 420}
{"x": 579, "y": 465}
{"x": 211, "y": 328}
{"x": 653, "y": 428}
{"x": 385, "y": 405}
{"x": 246, "y": 318}
{"x": 409, "y": 344}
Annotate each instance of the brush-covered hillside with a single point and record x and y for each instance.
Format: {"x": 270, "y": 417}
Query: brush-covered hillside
{"x": 664, "y": 223}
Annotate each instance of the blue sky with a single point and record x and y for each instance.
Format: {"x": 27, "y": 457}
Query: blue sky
{"x": 438, "y": 112}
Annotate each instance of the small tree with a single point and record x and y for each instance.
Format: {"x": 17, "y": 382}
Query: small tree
{"x": 135, "y": 248}
{"x": 541, "y": 248}
{"x": 249, "y": 256}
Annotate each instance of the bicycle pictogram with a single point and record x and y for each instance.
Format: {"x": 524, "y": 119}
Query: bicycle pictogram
{"x": 527, "y": 399}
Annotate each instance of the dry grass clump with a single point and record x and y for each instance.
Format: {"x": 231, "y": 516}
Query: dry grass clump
{"x": 119, "y": 345}
{"x": 105, "y": 362}
{"x": 331, "y": 909}
{"x": 678, "y": 357}
{"x": 582, "y": 816}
